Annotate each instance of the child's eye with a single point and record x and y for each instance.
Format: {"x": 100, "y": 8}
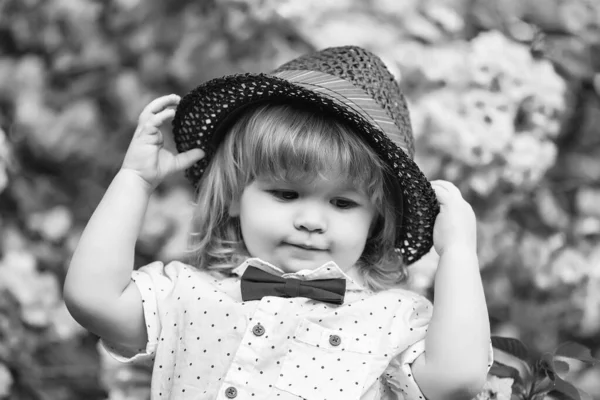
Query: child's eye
{"x": 344, "y": 203}
{"x": 284, "y": 194}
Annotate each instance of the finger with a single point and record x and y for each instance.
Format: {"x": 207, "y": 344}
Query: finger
{"x": 187, "y": 159}
{"x": 145, "y": 130}
{"x": 155, "y": 137}
{"x": 159, "y": 104}
{"x": 445, "y": 191}
{"x": 438, "y": 188}
{"x": 442, "y": 182}
{"x": 150, "y": 135}
{"x": 446, "y": 185}
{"x": 151, "y": 124}
{"x": 162, "y": 116}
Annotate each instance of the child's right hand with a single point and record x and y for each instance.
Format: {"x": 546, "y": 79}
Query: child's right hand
{"x": 146, "y": 155}
{"x": 455, "y": 225}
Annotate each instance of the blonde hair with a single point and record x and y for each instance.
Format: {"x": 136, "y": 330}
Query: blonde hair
{"x": 289, "y": 142}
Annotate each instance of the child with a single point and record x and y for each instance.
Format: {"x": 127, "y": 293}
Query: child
{"x": 309, "y": 210}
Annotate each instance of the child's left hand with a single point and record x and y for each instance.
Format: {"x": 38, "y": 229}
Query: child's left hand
{"x": 455, "y": 225}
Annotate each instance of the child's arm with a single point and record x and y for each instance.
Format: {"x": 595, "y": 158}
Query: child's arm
{"x": 98, "y": 290}
{"x": 455, "y": 362}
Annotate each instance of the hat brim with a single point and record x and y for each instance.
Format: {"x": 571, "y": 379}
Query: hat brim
{"x": 204, "y": 114}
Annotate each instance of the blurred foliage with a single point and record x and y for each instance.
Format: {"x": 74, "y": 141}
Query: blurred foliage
{"x": 540, "y": 375}
{"x": 505, "y": 102}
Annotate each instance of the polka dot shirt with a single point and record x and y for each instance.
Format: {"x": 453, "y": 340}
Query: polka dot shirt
{"x": 206, "y": 343}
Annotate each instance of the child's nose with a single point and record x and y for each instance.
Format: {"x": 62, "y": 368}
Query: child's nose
{"x": 311, "y": 219}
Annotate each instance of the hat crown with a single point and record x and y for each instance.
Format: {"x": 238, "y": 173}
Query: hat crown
{"x": 367, "y": 71}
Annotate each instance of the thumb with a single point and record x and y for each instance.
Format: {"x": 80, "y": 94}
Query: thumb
{"x": 188, "y": 158}
{"x": 445, "y": 191}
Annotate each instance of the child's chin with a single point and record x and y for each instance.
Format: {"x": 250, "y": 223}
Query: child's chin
{"x": 299, "y": 265}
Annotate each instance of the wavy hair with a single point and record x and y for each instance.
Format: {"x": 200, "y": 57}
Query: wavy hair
{"x": 291, "y": 142}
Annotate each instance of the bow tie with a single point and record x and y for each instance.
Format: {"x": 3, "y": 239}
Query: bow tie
{"x": 257, "y": 283}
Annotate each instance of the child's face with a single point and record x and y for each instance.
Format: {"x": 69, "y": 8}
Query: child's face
{"x": 303, "y": 225}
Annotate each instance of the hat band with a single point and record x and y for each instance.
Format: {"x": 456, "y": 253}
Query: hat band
{"x": 348, "y": 95}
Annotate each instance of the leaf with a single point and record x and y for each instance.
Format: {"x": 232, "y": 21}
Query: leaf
{"x": 519, "y": 390}
{"x": 546, "y": 365}
{"x": 585, "y": 395}
{"x": 543, "y": 386}
{"x": 511, "y": 346}
{"x": 565, "y": 388}
{"x": 561, "y": 367}
{"x": 541, "y": 370}
{"x": 505, "y": 371}
{"x": 576, "y": 351}
{"x": 558, "y": 395}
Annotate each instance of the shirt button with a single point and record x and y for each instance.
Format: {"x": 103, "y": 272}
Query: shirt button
{"x": 335, "y": 340}
{"x": 231, "y": 392}
{"x": 258, "y": 330}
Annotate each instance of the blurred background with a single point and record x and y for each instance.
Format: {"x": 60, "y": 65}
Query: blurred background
{"x": 504, "y": 98}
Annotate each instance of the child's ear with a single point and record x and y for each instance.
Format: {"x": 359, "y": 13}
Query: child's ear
{"x": 234, "y": 208}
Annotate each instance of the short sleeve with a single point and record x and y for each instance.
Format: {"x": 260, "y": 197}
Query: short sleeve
{"x": 155, "y": 282}
{"x": 414, "y": 320}
{"x": 398, "y": 375}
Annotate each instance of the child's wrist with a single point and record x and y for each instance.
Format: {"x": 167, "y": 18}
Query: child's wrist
{"x": 458, "y": 248}
{"x": 136, "y": 179}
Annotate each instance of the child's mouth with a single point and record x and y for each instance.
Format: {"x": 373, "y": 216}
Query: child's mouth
{"x": 306, "y": 247}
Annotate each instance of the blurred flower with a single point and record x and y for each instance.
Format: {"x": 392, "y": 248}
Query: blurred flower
{"x": 64, "y": 327}
{"x": 5, "y": 160}
{"x": 587, "y": 298}
{"x": 536, "y": 254}
{"x": 53, "y": 224}
{"x": 549, "y": 210}
{"x": 567, "y": 268}
{"x": 499, "y": 123}
{"x": 527, "y": 160}
{"x": 6, "y": 381}
{"x": 38, "y": 293}
{"x": 586, "y": 227}
{"x": 73, "y": 133}
{"x": 496, "y": 389}
{"x": 588, "y": 201}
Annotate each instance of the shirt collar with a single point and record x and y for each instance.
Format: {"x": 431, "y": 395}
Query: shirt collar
{"x": 329, "y": 270}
